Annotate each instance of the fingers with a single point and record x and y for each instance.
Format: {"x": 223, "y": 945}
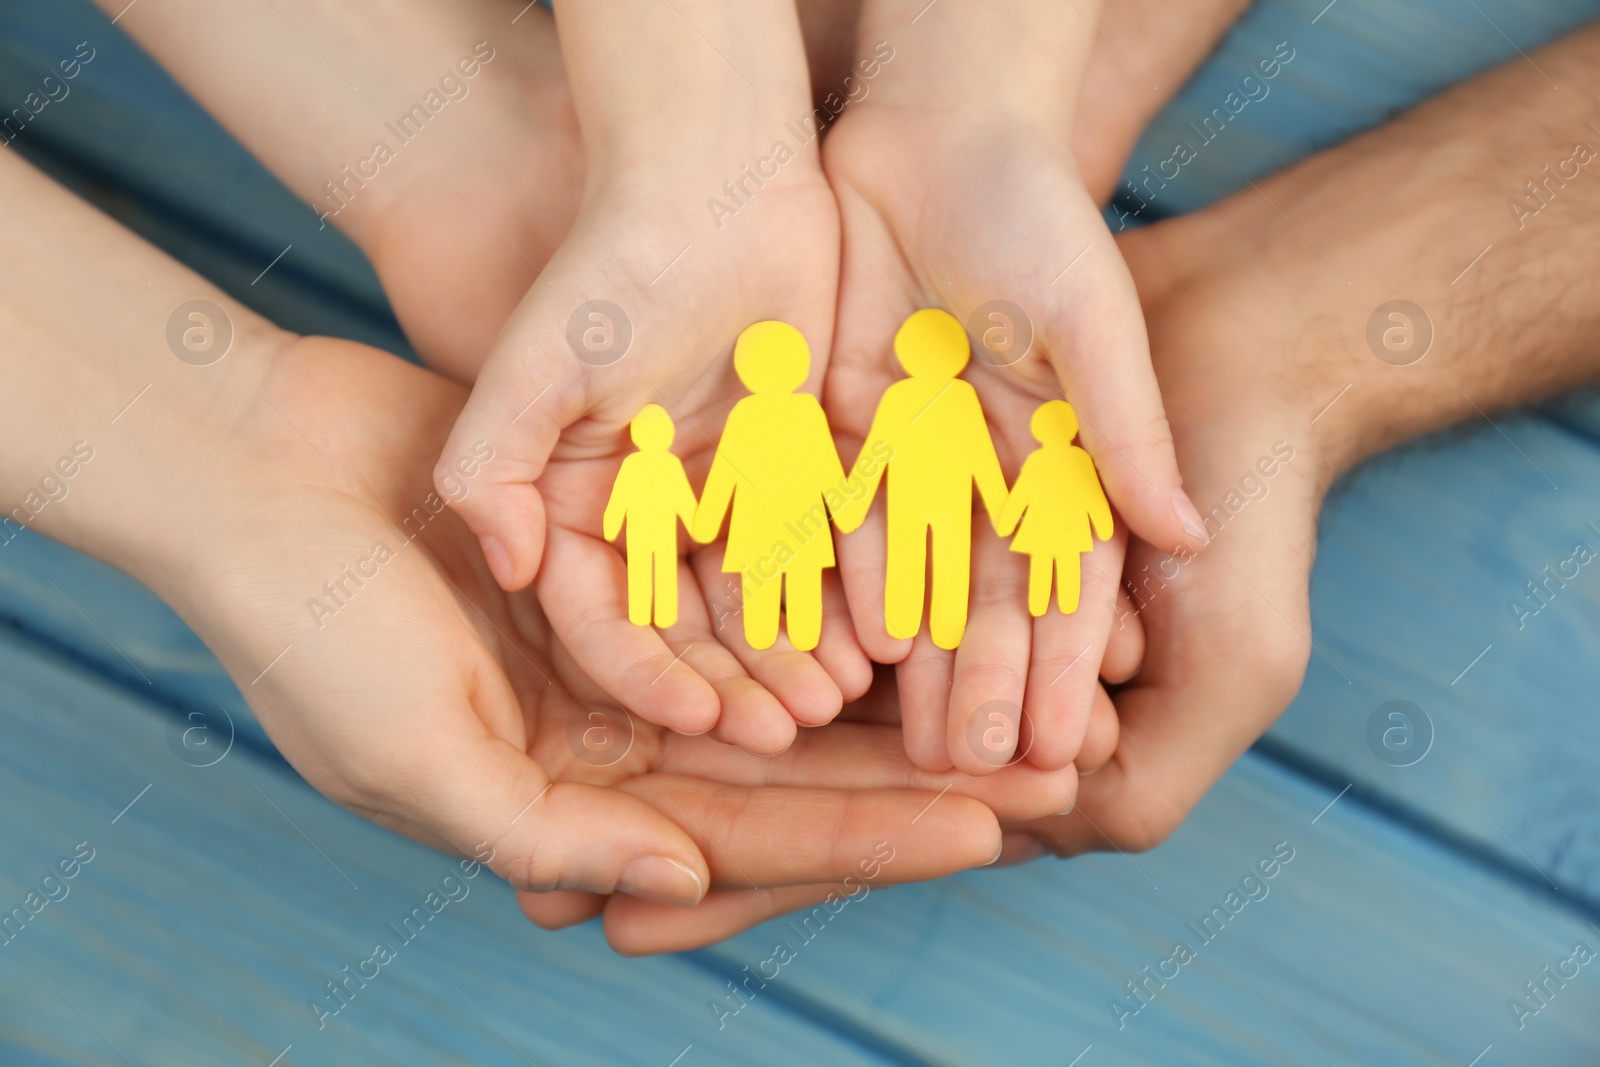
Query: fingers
{"x": 643, "y": 931}
{"x": 862, "y": 572}
{"x": 1224, "y": 660}
{"x": 561, "y": 908}
{"x": 984, "y": 716}
{"x": 1099, "y": 736}
{"x": 798, "y": 680}
{"x": 582, "y": 589}
{"x": 1125, "y": 644}
{"x": 863, "y": 756}
{"x": 924, "y": 679}
{"x": 1067, "y": 653}
{"x": 489, "y": 800}
{"x": 755, "y": 838}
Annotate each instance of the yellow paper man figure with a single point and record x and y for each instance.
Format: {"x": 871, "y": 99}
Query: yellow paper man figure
{"x": 652, "y": 494}
{"x": 1056, "y": 497}
{"x": 777, "y": 468}
{"x": 931, "y": 428}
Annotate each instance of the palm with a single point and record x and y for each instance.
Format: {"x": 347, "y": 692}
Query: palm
{"x": 1002, "y": 217}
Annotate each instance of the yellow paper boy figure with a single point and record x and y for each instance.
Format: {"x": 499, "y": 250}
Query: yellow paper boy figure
{"x": 777, "y": 468}
{"x": 931, "y": 426}
{"x": 652, "y": 494}
{"x": 1056, "y": 498}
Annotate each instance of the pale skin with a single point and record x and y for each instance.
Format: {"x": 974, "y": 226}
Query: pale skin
{"x": 460, "y": 221}
{"x": 1252, "y": 334}
{"x": 1168, "y": 265}
{"x": 434, "y": 702}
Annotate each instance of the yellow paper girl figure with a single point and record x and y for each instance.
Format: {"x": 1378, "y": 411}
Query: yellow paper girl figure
{"x": 651, "y": 494}
{"x": 1056, "y": 498}
{"x": 778, "y": 470}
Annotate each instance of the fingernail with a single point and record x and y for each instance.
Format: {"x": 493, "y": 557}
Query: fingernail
{"x": 494, "y": 553}
{"x": 662, "y": 880}
{"x": 1068, "y": 810}
{"x": 1017, "y": 848}
{"x": 999, "y": 850}
{"x": 1188, "y": 515}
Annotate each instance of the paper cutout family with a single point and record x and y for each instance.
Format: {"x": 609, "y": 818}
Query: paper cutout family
{"x": 777, "y": 470}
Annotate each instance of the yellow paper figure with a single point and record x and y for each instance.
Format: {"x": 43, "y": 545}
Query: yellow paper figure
{"x": 651, "y": 494}
{"x": 1056, "y": 498}
{"x": 930, "y": 428}
{"x": 777, "y": 468}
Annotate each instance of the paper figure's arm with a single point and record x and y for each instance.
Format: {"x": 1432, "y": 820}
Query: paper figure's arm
{"x": 868, "y": 470}
{"x": 1099, "y": 506}
{"x": 1016, "y": 504}
{"x": 617, "y": 506}
{"x": 986, "y": 465}
{"x": 685, "y": 504}
{"x": 830, "y": 468}
{"x": 716, "y": 498}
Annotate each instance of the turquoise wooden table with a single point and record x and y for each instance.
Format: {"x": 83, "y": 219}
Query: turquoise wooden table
{"x": 210, "y": 906}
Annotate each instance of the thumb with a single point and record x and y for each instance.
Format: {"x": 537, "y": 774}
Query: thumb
{"x": 490, "y": 801}
{"x": 526, "y": 393}
{"x": 1094, "y": 333}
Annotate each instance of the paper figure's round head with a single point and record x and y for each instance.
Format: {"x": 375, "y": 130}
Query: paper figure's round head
{"x": 1055, "y": 423}
{"x": 772, "y": 357}
{"x": 932, "y": 344}
{"x": 651, "y": 429}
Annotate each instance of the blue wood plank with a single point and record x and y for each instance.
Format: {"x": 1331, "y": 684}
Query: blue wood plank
{"x": 1353, "y": 68}
{"x": 1422, "y": 557}
{"x": 219, "y": 900}
{"x": 1370, "y": 946}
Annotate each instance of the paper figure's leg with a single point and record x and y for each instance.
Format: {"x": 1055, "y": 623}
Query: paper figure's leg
{"x": 666, "y": 576}
{"x": 803, "y": 607}
{"x": 952, "y": 581}
{"x": 906, "y": 568}
{"x": 638, "y": 582}
{"x": 762, "y": 599}
{"x": 1040, "y": 570}
{"x": 1069, "y": 576}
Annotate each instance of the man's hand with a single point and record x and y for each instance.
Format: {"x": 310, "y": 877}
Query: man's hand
{"x": 1261, "y": 334}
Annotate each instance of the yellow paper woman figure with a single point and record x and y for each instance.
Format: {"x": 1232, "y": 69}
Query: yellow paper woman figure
{"x": 1056, "y": 498}
{"x": 777, "y": 468}
{"x": 651, "y": 494}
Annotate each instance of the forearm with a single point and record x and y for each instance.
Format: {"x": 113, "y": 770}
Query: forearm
{"x": 1144, "y": 53}
{"x": 1513, "y": 294}
{"x": 690, "y": 84}
{"x": 312, "y": 87}
{"x": 89, "y": 352}
{"x": 984, "y": 60}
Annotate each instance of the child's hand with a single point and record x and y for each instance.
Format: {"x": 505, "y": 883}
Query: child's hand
{"x": 640, "y": 305}
{"x": 957, "y": 189}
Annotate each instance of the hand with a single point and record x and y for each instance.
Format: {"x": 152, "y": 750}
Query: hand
{"x": 681, "y": 280}
{"x": 422, "y": 696}
{"x": 953, "y": 205}
{"x": 1259, "y": 333}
